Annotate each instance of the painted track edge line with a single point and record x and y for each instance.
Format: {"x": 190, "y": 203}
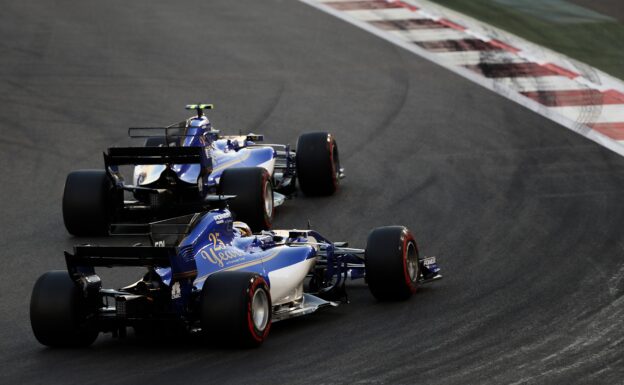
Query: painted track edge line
{"x": 490, "y": 84}
{"x": 531, "y": 51}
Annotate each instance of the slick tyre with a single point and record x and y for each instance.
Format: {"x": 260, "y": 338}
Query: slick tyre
{"x": 391, "y": 263}
{"x": 254, "y": 195}
{"x": 235, "y": 309}
{"x": 89, "y": 201}
{"x": 58, "y": 312}
{"x": 318, "y": 164}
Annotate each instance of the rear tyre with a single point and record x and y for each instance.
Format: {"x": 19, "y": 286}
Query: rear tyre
{"x": 236, "y": 309}
{"x": 391, "y": 262}
{"x": 58, "y": 312}
{"x": 254, "y": 195}
{"x": 318, "y": 164}
{"x": 89, "y": 201}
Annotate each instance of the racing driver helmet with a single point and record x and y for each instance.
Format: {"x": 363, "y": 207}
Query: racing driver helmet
{"x": 243, "y": 228}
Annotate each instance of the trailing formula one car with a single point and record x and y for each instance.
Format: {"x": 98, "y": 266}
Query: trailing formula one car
{"x": 209, "y": 275}
{"x": 184, "y": 165}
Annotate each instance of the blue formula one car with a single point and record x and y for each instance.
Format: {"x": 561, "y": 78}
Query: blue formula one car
{"x": 183, "y": 166}
{"x": 209, "y": 275}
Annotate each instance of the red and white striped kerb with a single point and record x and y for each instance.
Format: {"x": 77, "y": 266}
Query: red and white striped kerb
{"x": 552, "y": 87}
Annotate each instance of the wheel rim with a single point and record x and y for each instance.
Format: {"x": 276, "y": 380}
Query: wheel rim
{"x": 268, "y": 200}
{"x": 260, "y": 309}
{"x": 412, "y": 262}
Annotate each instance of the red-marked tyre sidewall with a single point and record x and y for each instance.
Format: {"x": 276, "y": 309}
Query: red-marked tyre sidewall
{"x": 225, "y": 309}
{"x": 409, "y": 239}
{"x": 257, "y": 335}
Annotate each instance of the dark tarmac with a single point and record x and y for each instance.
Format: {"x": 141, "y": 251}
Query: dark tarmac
{"x": 525, "y": 216}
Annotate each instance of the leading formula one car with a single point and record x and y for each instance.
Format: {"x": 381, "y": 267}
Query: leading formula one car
{"x": 209, "y": 275}
{"x": 184, "y": 165}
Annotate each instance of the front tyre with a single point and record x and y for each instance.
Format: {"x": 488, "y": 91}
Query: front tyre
{"x": 254, "y": 195}
{"x": 89, "y": 201}
{"x": 318, "y": 164}
{"x": 391, "y": 262}
{"x": 235, "y": 308}
{"x": 58, "y": 312}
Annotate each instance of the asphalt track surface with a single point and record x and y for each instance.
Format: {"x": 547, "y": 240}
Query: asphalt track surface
{"x": 525, "y": 216}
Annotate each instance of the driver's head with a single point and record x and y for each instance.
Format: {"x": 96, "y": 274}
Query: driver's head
{"x": 243, "y": 228}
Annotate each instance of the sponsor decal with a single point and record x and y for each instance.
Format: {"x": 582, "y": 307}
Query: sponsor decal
{"x": 216, "y": 242}
{"x": 159, "y": 243}
{"x": 219, "y": 254}
{"x": 220, "y": 218}
{"x": 227, "y": 256}
{"x": 240, "y": 266}
{"x": 429, "y": 261}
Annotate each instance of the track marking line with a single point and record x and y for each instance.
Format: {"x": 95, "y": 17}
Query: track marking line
{"x": 544, "y": 83}
{"x": 612, "y": 130}
{"x": 384, "y": 14}
{"x": 464, "y": 58}
{"x": 573, "y": 94}
{"x": 359, "y": 4}
{"x": 423, "y": 35}
{"x": 589, "y": 114}
{"x": 407, "y": 24}
{"x": 575, "y": 97}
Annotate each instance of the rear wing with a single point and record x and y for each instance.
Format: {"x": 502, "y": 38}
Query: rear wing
{"x": 81, "y": 264}
{"x": 175, "y": 131}
{"x": 170, "y": 133}
{"x": 165, "y": 235}
{"x": 152, "y": 155}
{"x": 109, "y": 256}
{"x": 168, "y": 232}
